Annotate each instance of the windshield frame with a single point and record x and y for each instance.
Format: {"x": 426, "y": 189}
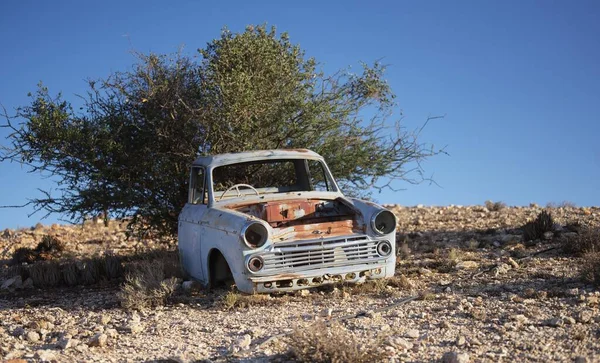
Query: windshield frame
{"x": 211, "y": 192}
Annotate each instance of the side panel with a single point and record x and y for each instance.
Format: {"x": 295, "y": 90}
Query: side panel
{"x": 190, "y": 241}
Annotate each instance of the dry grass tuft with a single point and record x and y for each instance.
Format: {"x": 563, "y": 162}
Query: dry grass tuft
{"x": 587, "y": 240}
{"x": 446, "y": 262}
{"x": 535, "y": 229}
{"x": 590, "y": 268}
{"x": 322, "y": 343}
{"x": 234, "y": 299}
{"x": 400, "y": 282}
{"x": 494, "y": 206}
{"x": 146, "y": 285}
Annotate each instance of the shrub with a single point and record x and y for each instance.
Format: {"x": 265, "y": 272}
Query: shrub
{"x": 494, "y": 206}
{"x": 90, "y": 270}
{"x": 586, "y": 241}
{"x": 535, "y": 229}
{"x": 24, "y": 255}
{"x": 46, "y": 274}
{"x": 447, "y": 261}
{"x": 146, "y": 285}
{"x": 234, "y": 299}
{"x": 48, "y": 248}
{"x": 590, "y": 268}
{"x": 112, "y": 267}
{"x": 322, "y": 343}
{"x": 50, "y": 244}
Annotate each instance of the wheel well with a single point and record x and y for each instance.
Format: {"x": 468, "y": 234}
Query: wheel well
{"x": 219, "y": 271}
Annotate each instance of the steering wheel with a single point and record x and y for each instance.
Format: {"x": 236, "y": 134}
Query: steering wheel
{"x": 237, "y": 188}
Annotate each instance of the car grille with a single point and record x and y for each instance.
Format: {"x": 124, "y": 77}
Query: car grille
{"x": 306, "y": 255}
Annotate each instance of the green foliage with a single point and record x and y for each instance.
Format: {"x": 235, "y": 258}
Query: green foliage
{"x": 535, "y": 229}
{"x": 126, "y": 151}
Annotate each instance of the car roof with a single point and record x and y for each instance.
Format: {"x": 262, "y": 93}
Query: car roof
{"x": 234, "y": 158}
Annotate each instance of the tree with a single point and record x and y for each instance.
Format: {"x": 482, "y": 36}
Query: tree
{"x": 127, "y": 150}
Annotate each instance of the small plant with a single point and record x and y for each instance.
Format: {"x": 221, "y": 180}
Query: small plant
{"x": 146, "y": 286}
{"x": 447, "y": 262}
{"x": 322, "y": 343}
{"x": 24, "y": 255}
{"x": 590, "y": 268}
{"x": 112, "y": 267}
{"x": 375, "y": 287}
{"x": 90, "y": 271}
{"x": 46, "y": 274}
{"x": 48, "y": 248}
{"x": 400, "y": 282}
{"x": 535, "y": 229}
{"x": 50, "y": 244}
{"x": 567, "y": 204}
{"x": 586, "y": 241}
{"x": 494, "y": 206}
{"x": 234, "y": 299}
{"x": 403, "y": 251}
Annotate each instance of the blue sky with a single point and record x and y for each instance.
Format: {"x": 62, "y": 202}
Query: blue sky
{"x": 518, "y": 81}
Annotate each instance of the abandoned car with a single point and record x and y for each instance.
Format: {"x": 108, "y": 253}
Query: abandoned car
{"x": 276, "y": 220}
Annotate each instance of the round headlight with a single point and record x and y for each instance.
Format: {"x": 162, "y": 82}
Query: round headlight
{"x": 383, "y": 222}
{"x": 255, "y": 264}
{"x": 384, "y": 248}
{"x": 254, "y": 234}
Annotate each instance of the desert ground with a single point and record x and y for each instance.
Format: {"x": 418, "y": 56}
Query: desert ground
{"x": 481, "y": 293}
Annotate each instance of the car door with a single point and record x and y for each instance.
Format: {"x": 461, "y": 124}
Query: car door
{"x": 190, "y": 229}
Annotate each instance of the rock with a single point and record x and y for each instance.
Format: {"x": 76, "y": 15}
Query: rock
{"x": 581, "y": 359}
{"x": 304, "y": 292}
{"x": 412, "y": 333}
{"x": 453, "y": 357}
{"x": 112, "y": 333}
{"x": 585, "y": 316}
{"x": 45, "y": 355}
{"x": 569, "y": 320}
{"x": 33, "y": 336}
{"x": 27, "y": 284}
{"x": 448, "y": 290}
{"x": 98, "y": 340}
{"x": 573, "y": 292}
{"x": 242, "y": 343}
{"x": 513, "y": 263}
{"x": 399, "y": 343}
{"x": 104, "y": 319}
{"x": 461, "y": 340}
{"x": 425, "y": 271}
{"x": 14, "y": 282}
{"x": 135, "y": 328}
{"x": 18, "y": 331}
{"x": 187, "y": 285}
{"x": 520, "y": 318}
{"x": 548, "y": 235}
{"x": 67, "y": 342}
{"x": 326, "y": 313}
{"x": 553, "y": 322}
{"x": 467, "y": 265}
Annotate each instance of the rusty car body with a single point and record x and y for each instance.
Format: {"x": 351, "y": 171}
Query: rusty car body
{"x": 276, "y": 220}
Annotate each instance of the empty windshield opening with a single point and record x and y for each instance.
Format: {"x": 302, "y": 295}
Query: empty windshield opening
{"x": 270, "y": 176}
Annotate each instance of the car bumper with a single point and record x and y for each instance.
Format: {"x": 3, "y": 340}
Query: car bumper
{"x": 312, "y": 278}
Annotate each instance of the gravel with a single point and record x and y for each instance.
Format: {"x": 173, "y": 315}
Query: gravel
{"x": 484, "y": 304}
